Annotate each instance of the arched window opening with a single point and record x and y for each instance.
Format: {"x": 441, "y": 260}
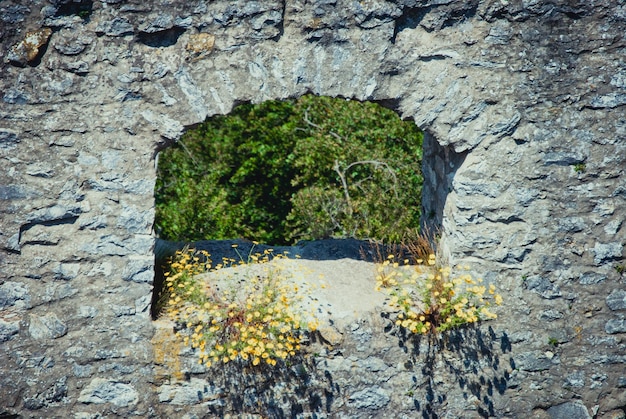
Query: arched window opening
{"x": 281, "y": 172}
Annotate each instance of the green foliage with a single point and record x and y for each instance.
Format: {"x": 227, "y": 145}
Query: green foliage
{"x": 284, "y": 171}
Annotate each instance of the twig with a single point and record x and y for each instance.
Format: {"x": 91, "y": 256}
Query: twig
{"x": 306, "y": 119}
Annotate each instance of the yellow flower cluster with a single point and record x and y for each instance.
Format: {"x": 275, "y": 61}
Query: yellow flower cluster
{"x": 430, "y": 298}
{"x": 251, "y": 321}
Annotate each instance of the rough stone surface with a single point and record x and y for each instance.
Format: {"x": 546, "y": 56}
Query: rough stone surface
{"x": 617, "y": 300}
{"x": 569, "y": 410}
{"x": 522, "y": 106}
{"x": 101, "y": 391}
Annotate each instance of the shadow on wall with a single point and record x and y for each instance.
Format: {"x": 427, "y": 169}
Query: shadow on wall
{"x": 439, "y": 166}
{"x": 285, "y": 392}
{"x": 466, "y": 356}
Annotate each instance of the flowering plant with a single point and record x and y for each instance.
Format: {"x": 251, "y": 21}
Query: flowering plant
{"x": 251, "y": 318}
{"x": 429, "y": 298}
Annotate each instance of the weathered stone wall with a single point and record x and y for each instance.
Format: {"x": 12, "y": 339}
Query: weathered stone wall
{"x": 523, "y": 106}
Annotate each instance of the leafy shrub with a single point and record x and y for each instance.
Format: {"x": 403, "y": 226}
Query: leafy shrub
{"x": 298, "y": 169}
{"x": 251, "y": 319}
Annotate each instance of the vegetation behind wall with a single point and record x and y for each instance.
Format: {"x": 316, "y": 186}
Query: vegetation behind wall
{"x": 299, "y": 169}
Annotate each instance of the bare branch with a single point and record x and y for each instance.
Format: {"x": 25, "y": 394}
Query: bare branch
{"x": 308, "y": 121}
{"x": 344, "y": 183}
{"x": 376, "y": 164}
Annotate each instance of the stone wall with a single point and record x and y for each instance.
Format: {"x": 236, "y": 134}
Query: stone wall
{"x": 522, "y": 103}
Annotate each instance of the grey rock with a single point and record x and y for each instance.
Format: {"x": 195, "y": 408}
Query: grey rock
{"x": 167, "y": 127}
{"x": 191, "y": 90}
{"x": 569, "y": 410}
{"x": 40, "y": 170}
{"x": 116, "y": 27}
{"x": 575, "y": 379}
{"x": 120, "y": 311}
{"x": 118, "y": 368}
{"x": 160, "y": 23}
{"x": 604, "y": 208}
{"x": 571, "y": 224}
{"x": 542, "y": 286}
{"x": 370, "y": 398}
{"x": 591, "y": 278}
{"x": 615, "y": 414}
{"x": 183, "y": 22}
{"x": 507, "y": 126}
{"x": 82, "y": 371}
{"x": 617, "y": 300}
{"x": 57, "y": 392}
{"x": 87, "y": 312}
{"x": 521, "y": 336}
{"x": 48, "y": 11}
{"x": 188, "y": 393}
{"x": 93, "y": 223}
{"x": 66, "y": 271}
{"x": 607, "y": 251}
{"x": 8, "y": 329}
{"x": 139, "y": 270}
{"x": 118, "y": 246}
{"x": 13, "y": 13}
{"x": 8, "y": 138}
{"x": 10, "y": 192}
{"x": 77, "y": 67}
{"x": 107, "y": 354}
{"x": 562, "y": 158}
{"x": 615, "y": 326}
{"x": 48, "y": 326}
{"x": 14, "y": 294}
{"x": 499, "y": 34}
{"x": 532, "y": 361}
{"x": 101, "y": 390}
{"x": 59, "y": 291}
{"x": 134, "y": 220}
{"x": 619, "y": 79}
{"x": 72, "y": 46}
{"x": 611, "y": 100}
{"x": 612, "y": 227}
{"x": 15, "y": 96}
{"x": 56, "y": 212}
{"x": 550, "y": 315}
{"x": 142, "y": 304}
